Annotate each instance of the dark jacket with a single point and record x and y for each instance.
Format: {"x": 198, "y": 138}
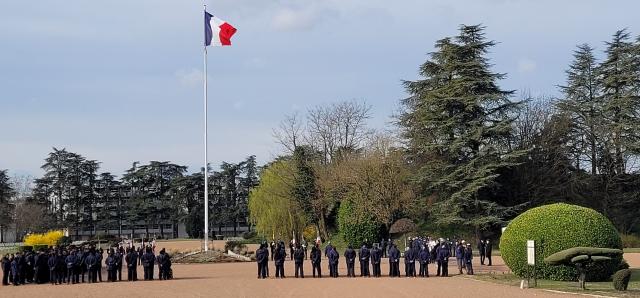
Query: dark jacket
{"x": 468, "y": 255}
{"x": 487, "y": 249}
{"x": 132, "y": 259}
{"x": 424, "y": 256}
{"x": 364, "y": 254}
{"x": 90, "y": 261}
{"x": 70, "y": 261}
{"x": 443, "y": 253}
{"x": 280, "y": 255}
{"x": 394, "y": 254}
{"x": 333, "y": 257}
{"x": 409, "y": 256}
{"x": 298, "y": 255}
{"x": 260, "y": 255}
{"x": 350, "y": 255}
{"x": 52, "y": 262}
{"x": 316, "y": 256}
{"x": 376, "y": 256}
{"x": 148, "y": 259}
{"x": 111, "y": 262}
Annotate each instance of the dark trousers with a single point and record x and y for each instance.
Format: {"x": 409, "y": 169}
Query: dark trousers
{"x": 333, "y": 268}
{"x": 5, "y": 277}
{"x": 119, "y": 268}
{"x": 410, "y": 269}
{"x": 148, "y": 273}
{"x": 351, "y": 269}
{"x": 445, "y": 268}
{"x": 16, "y": 279}
{"x": 469, "y": 268}
{"x": 280, "y": 271}
{"x": 53, "y": 278}
{"x": 439, "y": 268}
{"x": 376, "y": 270}
{"x": 83, "y": 270}
{"x": 93, "y": 275}
{"x": 482, "y": 259}
{"x": 132, "y": 273}
{"x": 299, "y": 269}
{"x": 262, "y": 269}
{"x": 364, "y": 268}
{"x": 70, "y": 274}
{"x": 395, "y": 269}
{"x": 112, "y": 275}
{"x": 424, "y": 269}
{"x": 163, "y": 273}
{"x": 488, "y": 257}
{"x": 316, "y": 267}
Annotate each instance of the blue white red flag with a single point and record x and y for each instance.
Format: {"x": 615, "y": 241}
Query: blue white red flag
{"x": 217, "y": 32}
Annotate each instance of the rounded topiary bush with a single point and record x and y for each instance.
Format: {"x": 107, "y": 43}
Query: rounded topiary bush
{"x": 621, "y": 279}
{"x": 558, "y": 227}
{"x": 356, "y": 227}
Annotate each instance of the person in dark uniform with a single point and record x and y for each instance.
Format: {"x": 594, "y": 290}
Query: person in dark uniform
{"x": 278, "y": 258}
{"x": 41, "y": 271}
{"x": 291, "y": 249}
{"x": 364, "y": 260}
{"x": 334, "y": 257}
{"x": 15, "y": 272}
{"x": 410, "y": 262}
{"x": 70, "y": 262}
{"x": 52, "y": 262}
{"x": 459, "y": 254}
{"x": 119, "y": 255}
{"x": 443, "y": 260}
{"x": 61, "y": 266}
{"x": 423, "y": 258}
{"x": 82, "y": 256}
{"x": 316, "y": 258}
{"x": 468, "y": 257}
{"x": 6, "y": 269}
{"x": 99, "y": 257}
{"x": 111, "y": 264}
{"x": 487, "y": 251}
{"x": 328, "y": 249}
{"x": 394, "y": 261}
{"x": 376, "y": 258}
{"x": 132, "y": 265}
{"x": 260, "y": 256}
{"x": 77, "y": 269}
{"x": 29, "y": 260}
{"x": 163, "y": 265}
{"x": 298, "y": 257}
{"x": 350, "y": 258}
{"x": 90, "y": 264}
{"x": 148, "y": 259}
{"x": 481, "y": 251}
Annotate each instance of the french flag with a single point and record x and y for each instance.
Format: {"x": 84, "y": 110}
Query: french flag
{"x": 217, "y": 32}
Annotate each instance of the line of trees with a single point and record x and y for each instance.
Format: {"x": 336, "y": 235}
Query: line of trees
{"x": 73, "y": 193}
{"x": 468, "y": 156}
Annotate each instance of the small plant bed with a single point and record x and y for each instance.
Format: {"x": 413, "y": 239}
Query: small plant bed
{"x": 212, "y": 256}
{"x": 604, "y": 288}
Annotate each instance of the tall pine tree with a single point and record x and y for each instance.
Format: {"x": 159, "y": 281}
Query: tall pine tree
{"x": 458, "y": 123}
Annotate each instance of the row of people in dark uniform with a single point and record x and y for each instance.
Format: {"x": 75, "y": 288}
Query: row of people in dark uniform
{"x": 417, "y": 252}
{"x": 71, "y": 265}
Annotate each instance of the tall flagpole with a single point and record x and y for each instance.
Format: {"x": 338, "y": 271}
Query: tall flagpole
{"x": 206, "y": 168}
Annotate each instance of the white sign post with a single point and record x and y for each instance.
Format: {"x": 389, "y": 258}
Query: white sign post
{"x": 531, "y": 259}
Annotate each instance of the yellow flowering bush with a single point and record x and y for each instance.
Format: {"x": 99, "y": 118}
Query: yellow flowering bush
{"x": 50, "y": 238}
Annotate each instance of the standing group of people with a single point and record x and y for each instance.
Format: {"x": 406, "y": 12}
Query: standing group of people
{"x": 419, "y": 251}
{"x": 71, "y": 265}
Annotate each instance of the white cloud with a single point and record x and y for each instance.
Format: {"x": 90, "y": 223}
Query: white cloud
{"x": 526, "y": 65}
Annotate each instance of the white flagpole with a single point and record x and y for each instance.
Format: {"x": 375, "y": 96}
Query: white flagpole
{"x": 206, "y": 168}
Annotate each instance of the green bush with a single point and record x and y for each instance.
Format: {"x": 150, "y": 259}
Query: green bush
{"x": 356, "y": 228}
{"x": 621, "y": 279}
{"x": 555, "y": 228}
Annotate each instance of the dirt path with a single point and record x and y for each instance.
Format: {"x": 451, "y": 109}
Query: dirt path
{"x": 240, "y": 280}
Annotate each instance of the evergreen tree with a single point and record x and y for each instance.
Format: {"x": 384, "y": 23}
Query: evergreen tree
{"x": 620, "y": 77}
{"x": 582, "y": 103}
{"x": 458, "y": 124}
{"x": 304, "y": 183}
{"x": 6, "y": 207}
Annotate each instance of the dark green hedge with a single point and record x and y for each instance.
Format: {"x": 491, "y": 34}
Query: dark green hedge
{"x": 356, "y": 229}
{"x": 558, "y": 227}
{"x": 621, "y": 279}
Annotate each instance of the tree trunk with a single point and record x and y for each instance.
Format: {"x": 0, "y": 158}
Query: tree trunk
{"x": 323, "y": 226}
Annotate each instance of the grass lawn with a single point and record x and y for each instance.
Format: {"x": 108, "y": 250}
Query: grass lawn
{"x": 595, "y": 288}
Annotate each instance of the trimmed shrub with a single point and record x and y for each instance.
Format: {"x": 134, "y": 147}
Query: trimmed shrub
{"x": 621, "y": 279}
{"x": 555, "y": 228}
{"x": 623, "y": 265}
{"x": 356, "y": 229}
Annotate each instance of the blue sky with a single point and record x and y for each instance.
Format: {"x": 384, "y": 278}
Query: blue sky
{"x": 121, "y": 80}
